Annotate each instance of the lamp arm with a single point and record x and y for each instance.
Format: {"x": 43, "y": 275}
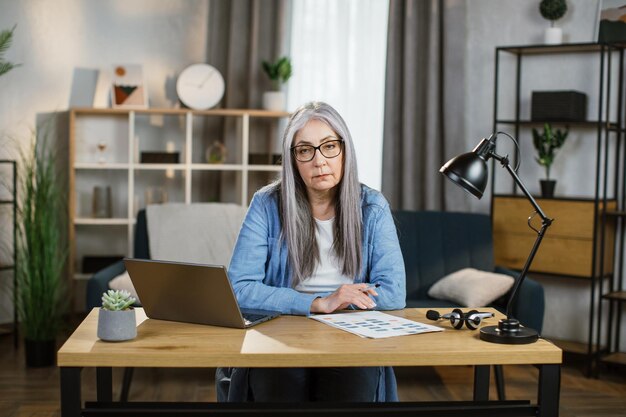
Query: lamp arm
{"x": 504, "y": 160}
{"x": 545, "y": 223}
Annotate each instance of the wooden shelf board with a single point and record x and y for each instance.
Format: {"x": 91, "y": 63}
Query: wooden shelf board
{"x": 580, "y": 123}
{"x": 617, "y": 357}
{"x": 97, "y": 165}
{"x": 148, "y": 167}
{"x": 102, "y": 222}
{"x": 572, "y": 347}
{"x": 563, "y": 48}
{"x": 276, "y": 168}
{"x": 216, "y": 167}
{"x": 80, "y": 276}
{"x": 181, "y": 112}
{"x": 617, "y": 296}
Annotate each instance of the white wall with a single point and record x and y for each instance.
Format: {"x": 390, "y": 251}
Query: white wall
{"x": 54, "y": 38}
{"x": 492, "y": 23}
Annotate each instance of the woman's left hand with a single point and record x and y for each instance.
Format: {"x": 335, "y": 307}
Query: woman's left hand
{"x": 356, "y": 294}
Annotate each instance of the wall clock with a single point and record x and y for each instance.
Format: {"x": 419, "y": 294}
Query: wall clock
{"x": 200, "y": 86}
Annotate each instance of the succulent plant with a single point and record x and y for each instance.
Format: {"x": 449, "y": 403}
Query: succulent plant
{"x": 117, "y": 300}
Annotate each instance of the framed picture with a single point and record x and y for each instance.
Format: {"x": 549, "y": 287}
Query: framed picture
{"x": 612, "y": 21}
{"x": 128, "y": 89}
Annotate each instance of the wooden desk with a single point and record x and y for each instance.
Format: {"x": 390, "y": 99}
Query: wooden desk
{"x": 294, "y": 341}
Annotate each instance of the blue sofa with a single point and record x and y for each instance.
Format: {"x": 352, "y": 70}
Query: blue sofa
{"x": 435, "y": 244}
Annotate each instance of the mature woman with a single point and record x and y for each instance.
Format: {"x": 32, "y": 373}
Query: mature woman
{"x": 310, "y": 243}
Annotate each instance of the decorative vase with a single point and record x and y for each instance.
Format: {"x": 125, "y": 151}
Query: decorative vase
{"x": 39, "y": 353}
{"x": 274, "y": 100}
{"x": 547, "y": 188}
{"x": 102, "y": 207}
{"x": 216, "y": 153}
{"x": 117, "y": 326}
{"x": 553, "y": 36}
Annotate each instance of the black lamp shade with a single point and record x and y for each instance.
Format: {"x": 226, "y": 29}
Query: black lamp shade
{"x": 469, "y": 171}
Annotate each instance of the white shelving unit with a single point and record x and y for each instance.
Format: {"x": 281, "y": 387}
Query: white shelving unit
{"x": 125, "y": 134}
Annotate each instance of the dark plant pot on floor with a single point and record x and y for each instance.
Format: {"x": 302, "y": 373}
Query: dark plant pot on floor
{"x": 547, "y": 188}
{"x": 40, "y": 353}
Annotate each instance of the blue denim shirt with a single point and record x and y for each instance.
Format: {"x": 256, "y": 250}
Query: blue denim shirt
{"x": 259, "y": 268}
{"x": 260, "y": 273}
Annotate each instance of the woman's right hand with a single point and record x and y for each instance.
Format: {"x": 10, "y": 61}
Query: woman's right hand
{"x": 356, "y": 294}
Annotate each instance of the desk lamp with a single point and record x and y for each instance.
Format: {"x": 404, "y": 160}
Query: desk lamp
{"x": 469, "y": 171}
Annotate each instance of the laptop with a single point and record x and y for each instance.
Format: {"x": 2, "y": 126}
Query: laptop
{"x": 191, "y": 293}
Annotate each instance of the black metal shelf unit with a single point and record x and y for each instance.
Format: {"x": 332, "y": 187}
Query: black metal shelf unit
{"x": 609, "y": 57}
{"x": 616, "y": 295}
{"x": 13, "y": 203}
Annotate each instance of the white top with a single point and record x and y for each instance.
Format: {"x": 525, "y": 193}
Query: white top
{"x": 327, "y": 276}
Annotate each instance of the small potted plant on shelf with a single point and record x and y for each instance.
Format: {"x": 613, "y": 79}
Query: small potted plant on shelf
{"x": 546, "y": 143}
{"x": 553, "y": 10}
{"x": 116, "y": 318}
{"x": 279, "y": 73}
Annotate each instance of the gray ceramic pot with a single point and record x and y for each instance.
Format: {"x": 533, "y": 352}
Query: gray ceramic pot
{"x": 117, "y": 326}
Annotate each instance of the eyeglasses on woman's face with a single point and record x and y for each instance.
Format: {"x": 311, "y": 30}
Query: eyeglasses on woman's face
{"x": 306, "y": 153}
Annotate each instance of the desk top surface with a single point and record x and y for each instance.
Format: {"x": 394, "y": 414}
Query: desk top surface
{"x": 291, "y": 341}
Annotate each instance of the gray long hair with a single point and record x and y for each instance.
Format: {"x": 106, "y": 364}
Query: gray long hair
{"x": 296, "y": 217}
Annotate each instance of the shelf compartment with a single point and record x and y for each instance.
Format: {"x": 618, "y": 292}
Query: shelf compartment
{"x": 616, "y": 296}
{"x": 569, "y": 346}
{"x": 216, "y": 186}
{"x": 618, "y": 358}
{"x": 84, "y": 186}
{"x": 162, "y": 133}
{"x": 568, "y": 246}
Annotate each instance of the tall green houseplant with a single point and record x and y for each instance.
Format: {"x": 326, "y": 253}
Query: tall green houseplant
{"x": 41, "y": 254}
{"x": 6, "y": 37}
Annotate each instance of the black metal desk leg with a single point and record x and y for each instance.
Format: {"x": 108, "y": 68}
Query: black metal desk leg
{"x": 70, "y": 392}
{"x": 549, "y": 390}
{"x": 104, "y": 384}
{"x": 481, "y": 382}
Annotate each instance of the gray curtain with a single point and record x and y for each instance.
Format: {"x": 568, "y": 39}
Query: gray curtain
{"x": 241, "y": 34}
{"x": 423, "y": 102}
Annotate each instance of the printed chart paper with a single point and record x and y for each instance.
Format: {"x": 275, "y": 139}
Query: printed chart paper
{"x": 375, "y": 324}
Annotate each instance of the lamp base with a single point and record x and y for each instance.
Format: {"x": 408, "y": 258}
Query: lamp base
{"x": 509, "y": 332}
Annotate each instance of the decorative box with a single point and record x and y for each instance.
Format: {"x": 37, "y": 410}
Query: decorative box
{"x": 555, "y": 106}
{"x": 159, "y": 158}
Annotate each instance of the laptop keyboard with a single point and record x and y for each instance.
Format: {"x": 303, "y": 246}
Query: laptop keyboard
{"x": 251, "y": 318}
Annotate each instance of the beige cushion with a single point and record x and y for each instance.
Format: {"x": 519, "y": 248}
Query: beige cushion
{"x": 123, "y": 282}
{"x": 470, "y": 287}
